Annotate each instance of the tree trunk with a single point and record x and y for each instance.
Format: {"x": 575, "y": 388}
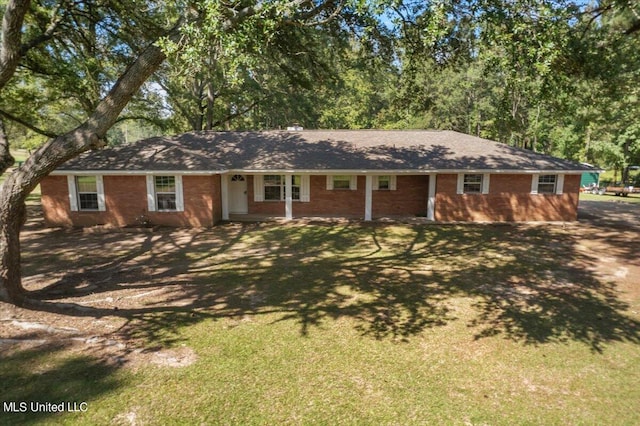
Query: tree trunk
{"x": 11, "y": 220}
{"x": 11, "y": 36}
{"x": 6, "y": 159}
{"x": 210, "y": 103}
{"x": 52, "y": 154}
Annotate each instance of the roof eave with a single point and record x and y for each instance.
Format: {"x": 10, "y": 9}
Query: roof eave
{"x": 62, "y": 172}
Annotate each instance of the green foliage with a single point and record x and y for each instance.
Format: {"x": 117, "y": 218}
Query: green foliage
{"x": 556, "y": 77}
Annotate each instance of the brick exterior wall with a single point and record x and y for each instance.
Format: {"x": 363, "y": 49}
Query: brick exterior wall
{"x": 409, "y": 199}
{"x": 509, "y": 200}
{"x": 126, "y": 203}
{"x": 337, "y": 202}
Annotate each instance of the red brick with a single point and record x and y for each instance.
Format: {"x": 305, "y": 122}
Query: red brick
{"x": 509, "y": 200}
{"x": 126, "y": 203}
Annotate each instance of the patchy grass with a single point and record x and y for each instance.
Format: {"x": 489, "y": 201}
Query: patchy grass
{"x": 20, "y": 156}
{"x": 631, "y": 198}
{"x": 334, "y": 324}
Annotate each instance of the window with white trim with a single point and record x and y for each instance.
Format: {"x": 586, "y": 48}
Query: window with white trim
{"x": 547, "y": 184}
{"x": 87, "y": 190}
{"x": 341, "y": 182}
{"x": 86, "y": 193}
{"x": 472, "y": 184}
{"x": 274, "y": 187}
{"x": 384, "y": 183}
{"x": 164, "y": 193}
{"x": 165, "y": 190}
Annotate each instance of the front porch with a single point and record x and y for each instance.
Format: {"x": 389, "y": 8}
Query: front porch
{"x": 255, "y": 197}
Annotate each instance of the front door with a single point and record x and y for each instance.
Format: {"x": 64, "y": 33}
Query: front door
{"x": 238, "y": 195}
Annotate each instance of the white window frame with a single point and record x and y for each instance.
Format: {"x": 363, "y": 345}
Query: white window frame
{"x": 282, "y": 186}
{"x": 558, "y": 184}
{"x": 353, "y": 182}
{"x": 484, "y": 183}
{"x": 74, "y": 200}
{"x": 258, "y": 188}
{"x": 390, "y": 178}
{"x": 152, "y": 203}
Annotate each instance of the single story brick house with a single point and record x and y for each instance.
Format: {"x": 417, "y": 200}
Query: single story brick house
{"x": 198, "y": 179}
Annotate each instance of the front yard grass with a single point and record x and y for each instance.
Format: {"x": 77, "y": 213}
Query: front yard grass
{"x": 631, "y": 198}
{"x": 20, "y": 156}
{"x": 335, "y": 324}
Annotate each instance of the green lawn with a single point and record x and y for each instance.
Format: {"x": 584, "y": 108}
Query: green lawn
{"x": 340, "y": 324}
{"x": 21, "y": 155}
{"x": 632, "y": 198}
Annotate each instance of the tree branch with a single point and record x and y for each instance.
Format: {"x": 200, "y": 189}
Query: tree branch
{"x": 48, "y": 33}
{"x": 139, "y": 118}
{"x": 235, "y": 114}
{"x": 633, "y": 28}
{"x": 29, "y": 126}
{"x": 11, "y": 36}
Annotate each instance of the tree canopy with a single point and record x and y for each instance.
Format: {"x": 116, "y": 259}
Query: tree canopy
{"x": 555, "y": 76}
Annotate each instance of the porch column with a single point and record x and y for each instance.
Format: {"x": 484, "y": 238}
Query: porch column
{"x": 431, "y": 203}
{"x": 368, "y": 195}
{"x": 288, "y": 197}
{"x": 224, "y": 196}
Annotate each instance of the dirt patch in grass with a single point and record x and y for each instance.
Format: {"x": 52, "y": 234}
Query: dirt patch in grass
{"x": 126, "y": 295}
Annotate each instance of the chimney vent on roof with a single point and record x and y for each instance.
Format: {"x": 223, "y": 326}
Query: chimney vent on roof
{"x": 295, "y": 128}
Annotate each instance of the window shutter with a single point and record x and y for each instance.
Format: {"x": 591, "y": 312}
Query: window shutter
{"x": 485, "y": 183}
{"x": 100, "y": 189}
{"x": 258, "y": 188}
{"x": 305, "y": 188}
{"x": 460, "y": 187}
{"x": 353, "y": 183}
{"x": 392, "y": 183}
{"x": 179, "y": 194}
{"x": 329, "y": 182}
{"x": 560, "y": 184}
{"x": 376, "y": 184}
{"x": 534, "y": 183}
{"x": 151, "y": 196}
{"x": 73, "y": 194}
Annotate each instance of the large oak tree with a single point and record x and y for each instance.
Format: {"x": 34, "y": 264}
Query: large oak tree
{"x": 41, "y": 38}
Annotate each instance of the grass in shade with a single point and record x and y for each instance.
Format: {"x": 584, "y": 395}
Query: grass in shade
{"x": 342, "y": 323}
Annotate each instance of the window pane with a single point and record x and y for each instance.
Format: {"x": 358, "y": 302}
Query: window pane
{"x": 472, "y": 188}
{"x": 295, "y": 192}
{"x": 273, "y": 193}
{"x": 546, "y": 184}
{"x": 296, "y": 180}
{"x": 272, "y": 180}
{"x": 546, "y": 188}
{"x": 88, "y": 201}
{"x": 165, "y": 183}
{"x": 472, "y": 184}
{"x": 384, "y": 182}
{"x": 166, "y": 201}
{"x": 341, "y": 182}
{"x": 86, "y": 184}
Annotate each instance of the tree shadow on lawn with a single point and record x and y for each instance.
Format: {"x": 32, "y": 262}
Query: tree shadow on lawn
{"x": 38, "y": 375}
{"x": 527, "y": 283}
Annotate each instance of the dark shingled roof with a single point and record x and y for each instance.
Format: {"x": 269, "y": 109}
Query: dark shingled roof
{"x": 318, "y": 150}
